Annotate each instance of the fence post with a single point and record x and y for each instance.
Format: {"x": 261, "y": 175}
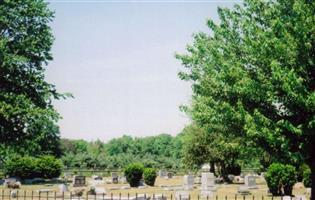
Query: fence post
{"x": 216, "y": 197}
{"x": 24, "y": 194}
{"x": 103, "y": 196}
{"x": 70, "y": 195}
{"x": 17, "y": 195}
{"x": 119, "y": 196}
{"x": 55, "y": 195}
{"x": 128, "y": 195}
{"x": 2, "y": 194}
{"x": 225, "y": 197}
{"x": 136, "y": 196}
{"x": 47, "y": 195}
{"x": 111, "y": 196}
{"x": 207, "y": 197}
{"x": 32, "y": 195}
{"x": 39, "y": 195}
{"x": 171, "y": 196}
{"x": 198, "y": 197}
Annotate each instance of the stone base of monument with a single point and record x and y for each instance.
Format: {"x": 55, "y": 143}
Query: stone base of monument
{"x": 244, "y": 190}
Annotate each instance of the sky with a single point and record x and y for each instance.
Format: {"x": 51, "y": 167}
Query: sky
{"x": 117, "y": 59}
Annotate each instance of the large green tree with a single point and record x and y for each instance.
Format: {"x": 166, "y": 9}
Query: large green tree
{"x": 27, "y": 116}
{"x": 254, "y": 74}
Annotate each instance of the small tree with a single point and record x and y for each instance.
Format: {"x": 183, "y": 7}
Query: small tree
{"x": 280, "y": 178}
{"x": 149, "y": 176}
{"x": 48, "y": 167}
{"x": 133, "y": 173}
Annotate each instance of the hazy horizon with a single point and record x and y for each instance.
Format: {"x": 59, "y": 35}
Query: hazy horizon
{"x": 117, "y": 59}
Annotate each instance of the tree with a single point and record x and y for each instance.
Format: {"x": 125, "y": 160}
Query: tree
{"x": 27, "y": 117}
{"x": 255, "y": 75}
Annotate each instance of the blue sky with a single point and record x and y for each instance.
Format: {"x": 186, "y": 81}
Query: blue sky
{"x": 117, "y": 59}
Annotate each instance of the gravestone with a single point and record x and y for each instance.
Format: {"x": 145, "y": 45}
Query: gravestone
{"x": 123, "y": 179}
{"x": 13, "y": 194}
{"x": 78, "y": 181}
{"x": 63, "y": 188}
{"x": 250, "y": 182}
{"x": 207, "y": 182}
{"x": 188, "y": 182}
{"x": 162, "y": 173}
{"x": 114, "y": 177}
{"x": 169, "y": 175}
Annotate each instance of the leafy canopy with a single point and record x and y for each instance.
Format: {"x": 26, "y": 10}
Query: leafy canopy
{"x": 27, "y": 117}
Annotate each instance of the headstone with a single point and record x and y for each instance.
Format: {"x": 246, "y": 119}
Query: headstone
{"x": 207, "y": 182}
{"x": 63, "y": 188}
{"x": 169, "y": 175}
{"x": 123, "y": 179}
{"x": 243, "y": 190}
{"x": 250, "y": 182}
{"x": 78, "y": 181}
{"x": 114, "y": 177}
{"x": 188, "y": 182}
{"x": 13, "y": 194}
{"x": 182, "y": 195}
{"x": 9, "y": 180}
{"x": 162, "y": 173}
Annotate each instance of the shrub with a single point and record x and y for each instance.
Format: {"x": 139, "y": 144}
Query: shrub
{"x": 23, "y": 167}
{"x": 28, "y": 167}
{"x": 133, "y": 173}
{"x": 280, "y": 178}
{"x": 300, "y": 172}
{"x": 307, "y": 178}
{"x": 149, "y": 176}
{"x": 48, "y": 167}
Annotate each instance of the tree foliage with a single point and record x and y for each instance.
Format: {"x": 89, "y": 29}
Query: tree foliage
{"x": 255, "y": 75}
{"x": 27, "y": 117}
{"x": 161, "y": 151}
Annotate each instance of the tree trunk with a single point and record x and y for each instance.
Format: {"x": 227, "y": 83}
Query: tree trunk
{"x": 313, "y": 178}
{"x": 212, "y": 167}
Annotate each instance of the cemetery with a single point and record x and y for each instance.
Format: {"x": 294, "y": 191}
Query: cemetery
{"x": 168, "y": 100}
{"x": 115, "y": 186}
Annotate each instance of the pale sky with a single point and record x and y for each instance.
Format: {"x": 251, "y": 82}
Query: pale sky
{"x": 117, "y": 59}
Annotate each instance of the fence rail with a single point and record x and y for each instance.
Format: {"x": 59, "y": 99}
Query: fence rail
{"x": 52, "y": 195}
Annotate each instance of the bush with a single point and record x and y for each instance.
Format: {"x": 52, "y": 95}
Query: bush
{"x": 28, "y": 167}
{"x": 280, "y": 178}
{"x": 300, "y": 172}
{"x": 307, "y": 178}
{"x": 133, "y": 173}
{"x": 22, "y": 167}
{"x": 48, "y": 167}
{"x": 149, "y": 176}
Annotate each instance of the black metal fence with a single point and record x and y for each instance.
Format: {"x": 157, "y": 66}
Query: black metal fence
{"x": 6, "y": 194}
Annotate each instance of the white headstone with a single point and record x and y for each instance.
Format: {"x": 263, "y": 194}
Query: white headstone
{"x": 63, "y": 188}
{"x": 250, "y": 182}
{"x": 207, "y": 182}
{"x": 188, "y": 182}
